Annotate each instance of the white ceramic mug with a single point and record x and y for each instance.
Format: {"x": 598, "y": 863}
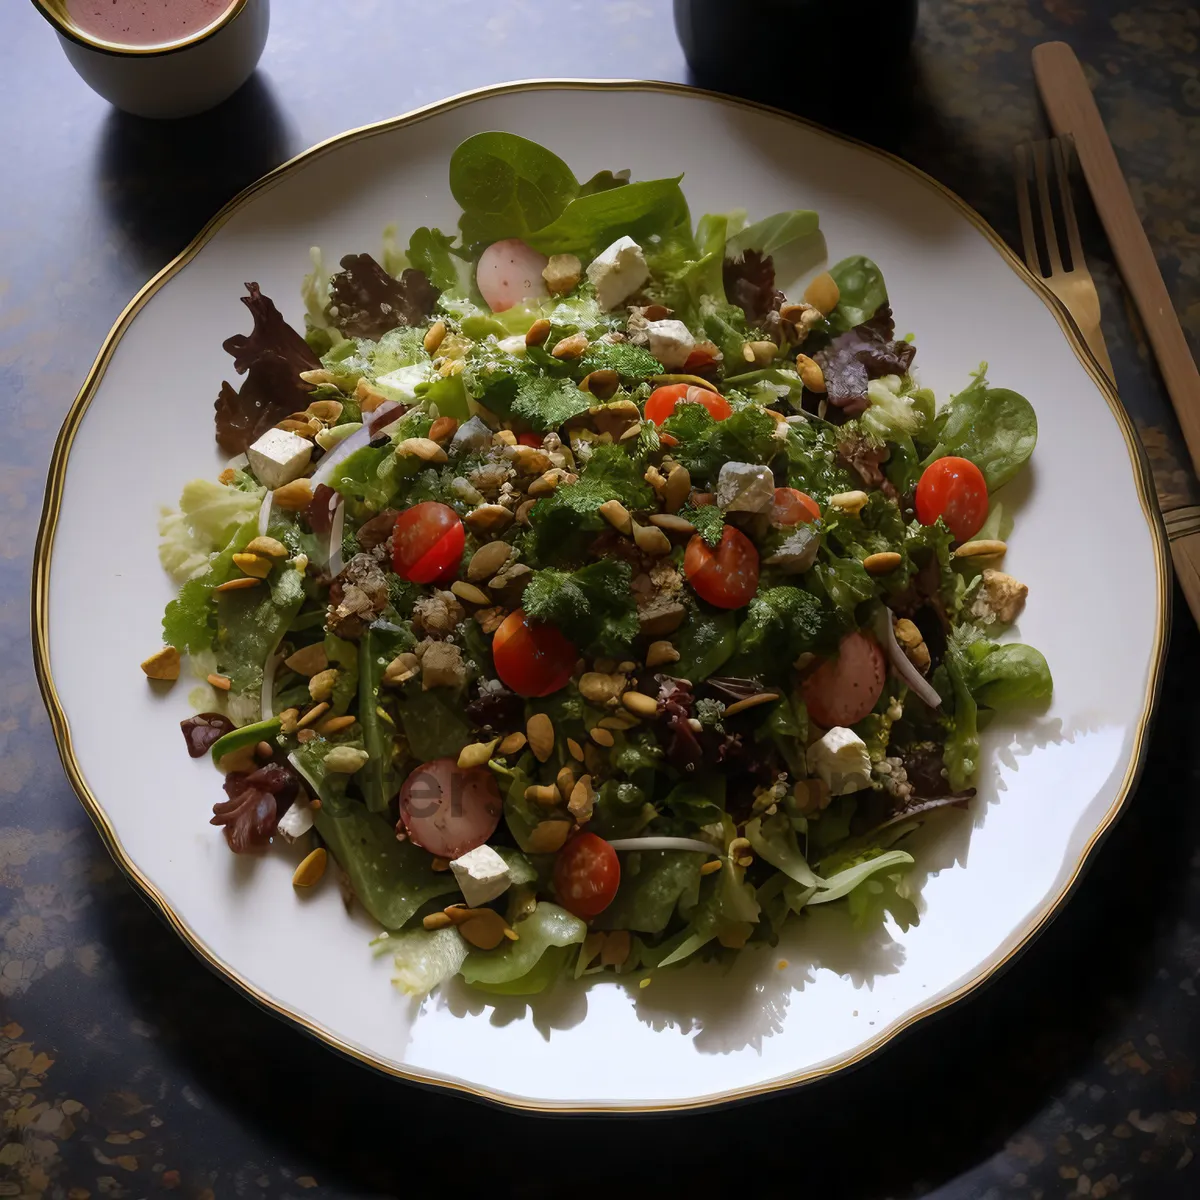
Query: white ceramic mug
{"x": 175, "y": 79}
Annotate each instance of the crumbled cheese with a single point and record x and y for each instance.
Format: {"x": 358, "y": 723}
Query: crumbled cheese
{"x": 745, "y": 487}
{"x": 618, "y": 272}
{"x": 401, "y": 384}
{"x": 482, "y": 875}
{"x": 278, "y": 457}
{"x": 671, "y": 342}
{"x": 797, "y": 552}
{"x": 840, "y": 759}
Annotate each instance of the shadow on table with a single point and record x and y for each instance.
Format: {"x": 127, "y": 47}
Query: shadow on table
{"x": 160, "y": 181}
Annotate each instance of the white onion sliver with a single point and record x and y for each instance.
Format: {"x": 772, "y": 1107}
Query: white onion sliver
{"x": 264, "y": 513}
{"x": 664, "y": 843}
{"x": 356, "y": 441}
{"x": 268, "y": 686}
{"x": 900, "y": 661}
{"x": 335, "y": 536}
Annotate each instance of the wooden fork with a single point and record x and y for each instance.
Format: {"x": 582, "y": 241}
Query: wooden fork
{"x": 1074, "y": 285}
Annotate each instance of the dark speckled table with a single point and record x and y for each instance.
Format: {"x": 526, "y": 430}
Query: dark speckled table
{"x": 127, "y": 1070}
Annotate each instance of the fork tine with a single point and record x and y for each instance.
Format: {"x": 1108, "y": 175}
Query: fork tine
{"x": 1043, "y": 187}
{"x": 1028, "y": 239}
{"x": 1062, "y": 148}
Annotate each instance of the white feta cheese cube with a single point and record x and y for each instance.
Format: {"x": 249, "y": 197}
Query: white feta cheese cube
{"x": 278, "y": 457}
{"x": 745, "y": 487}
{"x": 296, "y": 822}
{"x": 482, "y": 875}
{"x": 841, "y": 759}
{"x": 671, "y": 342}
{"x": 401, "y": 384}
{"x": 618, "y": 272}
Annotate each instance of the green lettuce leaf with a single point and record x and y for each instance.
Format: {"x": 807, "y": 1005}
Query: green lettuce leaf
{"x": 780, "y": 624}
{"x": 773, "y": 233}
{"x": 251, "y": 624}
{"x": 706, "y": 445}
{"x": 862, "y": 292}
{"x": 590, "y": 223}
{"x": 507, "y": 186}
{"x": 209, "y": 515}
{"x": 513, "y": 967}
{"x": 425, "y": 958}
{"x": 378, "y": 780}
{"x": 189, "y": 623}
{"x": 654, "y": 883}
{"x": 774, "y": 841}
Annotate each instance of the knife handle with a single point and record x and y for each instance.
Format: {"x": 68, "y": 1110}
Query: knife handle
{"x": 1072, "y": 110}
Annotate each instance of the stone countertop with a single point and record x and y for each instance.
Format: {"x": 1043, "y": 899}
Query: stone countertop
{"x": 128, "y": 1070}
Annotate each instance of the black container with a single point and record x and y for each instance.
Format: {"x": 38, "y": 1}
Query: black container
{"x": 827, "y": 59}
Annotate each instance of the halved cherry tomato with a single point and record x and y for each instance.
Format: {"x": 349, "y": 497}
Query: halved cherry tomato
{"x": 955, "y": 490}
{"x": 844, "y": 689}
{"x": 449, "y": 810}
{"x": 427, "y": 543}
{"x": 587, "y": 874}
{"x": 533, "y": 660}
{"x": 793, "y": 507}
{"x": 726, "y": 576}
{"x": 663, "y": 400}
{"x": 530, "y": 439}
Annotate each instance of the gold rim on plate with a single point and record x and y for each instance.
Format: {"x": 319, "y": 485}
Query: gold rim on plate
{"x": 62, "y": 733}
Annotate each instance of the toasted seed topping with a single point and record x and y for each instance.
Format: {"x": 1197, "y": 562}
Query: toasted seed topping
{"x": 540, "y": 732}
{"x": 310, "y": 871}
{"x": 162, "y": 665}
{"x": 236, "y": 585}
{"x": 882, "y": 563}
{"x": 983, "y": 548}
{"x": 751, "y": 702}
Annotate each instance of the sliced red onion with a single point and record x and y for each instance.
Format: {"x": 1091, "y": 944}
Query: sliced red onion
{"x": 664, "y": 843}
{"x": 900, "y": 661}
{"x": 270, "y": 667}
{"x": 382, "y": 419}
{"x": 264, "y": 513}
{"x": 335, "y": 535}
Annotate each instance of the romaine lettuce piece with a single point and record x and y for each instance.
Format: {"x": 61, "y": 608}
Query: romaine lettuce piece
{"x": 653, "y": 884}
{"x": 209, "y": 515}
{"x": 424, "y": 958}
{"x": 513, "y": 967}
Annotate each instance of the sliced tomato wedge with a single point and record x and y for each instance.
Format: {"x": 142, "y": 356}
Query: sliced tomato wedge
{"x": 844, "y": 689}
{"x": 509, "y": 272}
{"x": 793, "y": 507}
{"x": 587, "y": 874}
{"x": 955, "y": 490}
{"x": 725, "y": 575}
{"x": 531, "y": 659}
{"x": 427, "y": 543}
{"x": 663, "y": 400}
{"x": 449, "y": 810}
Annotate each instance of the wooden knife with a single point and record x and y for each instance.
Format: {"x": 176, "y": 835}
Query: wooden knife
{"x": 1072, "y": 110}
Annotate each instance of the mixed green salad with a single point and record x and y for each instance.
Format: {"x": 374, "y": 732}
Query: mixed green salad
{"x": 594, "y": 605}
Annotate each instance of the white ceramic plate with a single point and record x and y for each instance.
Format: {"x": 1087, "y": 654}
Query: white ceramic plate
{"x": 1050, "y": 785}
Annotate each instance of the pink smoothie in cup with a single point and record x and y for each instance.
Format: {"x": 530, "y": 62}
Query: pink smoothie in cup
{"x": 144, "y": 22}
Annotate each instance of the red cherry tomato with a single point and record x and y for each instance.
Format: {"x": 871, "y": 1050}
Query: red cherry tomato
{"x": 509, "y": 272}
{"x": 663, "y": 400}
{"x": 587, "y": 873}
{"x": 530, "y": 439}
{"x": 955, "y": 490}
{"x": 726, "y": 576}
{"x": 448, "y": 810}
{"x": 533, "y": 660}
{"x": 793, "y": 507}
{"x": 844, "y": 689}
{"x": 427, "y": 543}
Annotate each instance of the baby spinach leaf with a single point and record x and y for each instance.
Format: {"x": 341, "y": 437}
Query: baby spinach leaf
{"x": 772, "y": 233}
{"x": 862, "y": 292}
{"x": 653, "y": 884}
{"x": 993, "y": 427}
{"x": 508, "y": 186}
{"x": 589, "y": 223}
{"x": 705, "y": 642}
{"x": 429, "y": 250}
